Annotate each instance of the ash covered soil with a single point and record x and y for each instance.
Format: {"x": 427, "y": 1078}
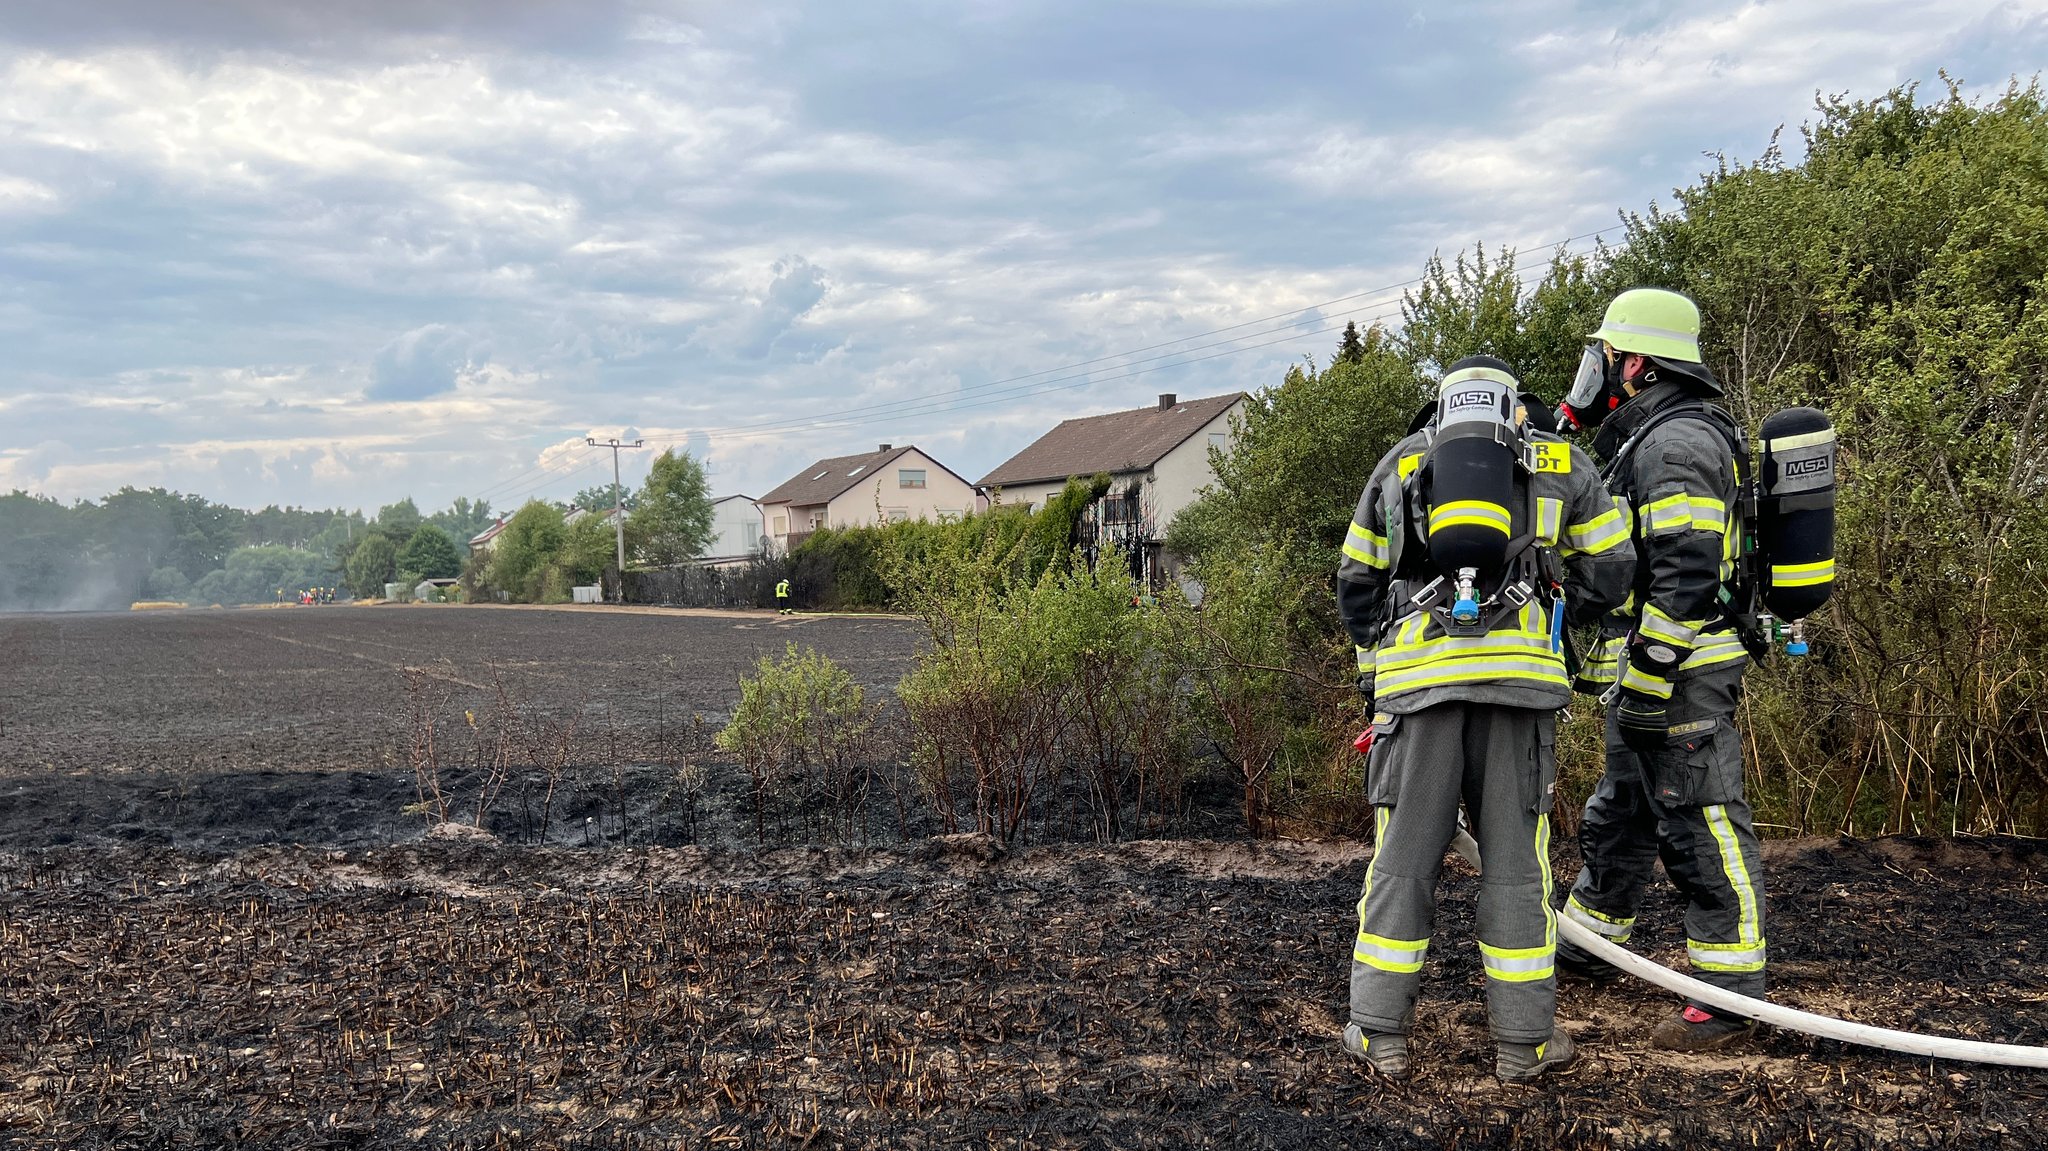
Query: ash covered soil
{"x": 226, "y": 729}
{"x": 186, "y": 990}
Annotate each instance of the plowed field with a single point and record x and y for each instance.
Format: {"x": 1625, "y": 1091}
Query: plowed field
{"x": 185, "y": 983}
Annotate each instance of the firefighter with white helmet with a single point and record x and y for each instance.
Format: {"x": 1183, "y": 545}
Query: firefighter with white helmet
{"x": 1478, "y": 535}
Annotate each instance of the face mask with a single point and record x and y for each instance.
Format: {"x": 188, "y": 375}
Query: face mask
{"x": 1592, "y": 393}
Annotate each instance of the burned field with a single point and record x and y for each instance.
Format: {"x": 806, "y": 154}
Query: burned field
{"x": 191, "y": 989}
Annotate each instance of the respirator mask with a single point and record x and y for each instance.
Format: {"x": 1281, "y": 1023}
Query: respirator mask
{"x": 1595, "y": 390}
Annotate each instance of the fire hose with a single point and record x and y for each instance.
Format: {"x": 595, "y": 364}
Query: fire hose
{"x": 1777, "y": 1015}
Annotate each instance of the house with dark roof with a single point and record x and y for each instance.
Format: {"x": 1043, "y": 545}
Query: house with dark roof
{"x": 1157, "y": 459}
{"x": 890, "y": 484}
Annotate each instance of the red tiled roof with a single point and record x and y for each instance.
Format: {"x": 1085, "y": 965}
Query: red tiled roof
{"x": 1117, "y": 442}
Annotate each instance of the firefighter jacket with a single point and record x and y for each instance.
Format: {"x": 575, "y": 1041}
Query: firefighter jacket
{"x": 1680, "y": 481}
{"x": 1413, "y": 663}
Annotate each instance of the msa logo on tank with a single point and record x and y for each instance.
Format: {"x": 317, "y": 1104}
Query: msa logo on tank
{"x": 1483, "y": 399}
{"x": 1802, "y": 469}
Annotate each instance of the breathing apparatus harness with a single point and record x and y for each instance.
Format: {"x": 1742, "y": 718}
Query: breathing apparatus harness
{"x": 1468, "y": 569}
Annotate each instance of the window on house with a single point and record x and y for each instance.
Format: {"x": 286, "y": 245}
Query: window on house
{"x": 821, "y": 475}
{"x": 817, "y": 519}
{"x": 950, "y": 515}
{"x": 750, "y": 534}
{"x": 1220, "y": 441}
{"x": 1120, "y": 509}
{"x": 782, "y": 525}
{"x": 898, "y": 515}
{"x": 856, "y": 471}
{"x": 909, "y": 477}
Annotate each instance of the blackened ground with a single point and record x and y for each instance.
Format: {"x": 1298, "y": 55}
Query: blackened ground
{"x": 222, "y": 729}
{"x": 168, "y": 980}
{"x": 1153, "y": 995}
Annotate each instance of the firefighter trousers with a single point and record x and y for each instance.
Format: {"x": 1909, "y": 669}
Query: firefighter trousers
{"x": 1684, "y": 804}
{"x": 1500, "y": 763}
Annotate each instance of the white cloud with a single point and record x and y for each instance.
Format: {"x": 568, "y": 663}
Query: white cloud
{"x": 425, "y": 258}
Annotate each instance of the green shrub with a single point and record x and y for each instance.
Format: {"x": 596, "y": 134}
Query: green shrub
{"x": 800, "y": 731}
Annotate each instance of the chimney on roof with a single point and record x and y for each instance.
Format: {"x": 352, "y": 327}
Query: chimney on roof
{"x": 1167, "y": 400}
{"x": 888, "y": 447}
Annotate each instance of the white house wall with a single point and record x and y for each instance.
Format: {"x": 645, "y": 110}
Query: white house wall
{"x": 730, "y": 518}
{"x": 1182, "y": 474}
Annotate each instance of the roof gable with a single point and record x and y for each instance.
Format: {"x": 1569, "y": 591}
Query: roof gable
{"x": 828, "y": 479}
{"x": 1115, "y": 442}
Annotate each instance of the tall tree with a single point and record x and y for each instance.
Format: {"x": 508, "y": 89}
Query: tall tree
{"x": 430, "y": 554}
{"x": 531, "y": 543}
{"x": 463, "y": 519}
{"x": 600, "y": 498}
{"x": 399, "y": 520}
{"x": 673, "y": 523}
{"x": 1351, "y": 349}
{"x": 372, "y": 564}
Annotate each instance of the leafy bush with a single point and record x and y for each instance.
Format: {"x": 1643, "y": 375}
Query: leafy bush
{"x": 800, "y": 731}
{"x": 1031, "y": 694}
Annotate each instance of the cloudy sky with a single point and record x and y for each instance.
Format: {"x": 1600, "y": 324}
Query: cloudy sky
{"x": 330, "y": 254}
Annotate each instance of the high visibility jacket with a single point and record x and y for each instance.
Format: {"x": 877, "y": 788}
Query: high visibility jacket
{"x": 782, "y": 590}
{"x": 1413, "y": 663}
{"x": 1680, "y": 482}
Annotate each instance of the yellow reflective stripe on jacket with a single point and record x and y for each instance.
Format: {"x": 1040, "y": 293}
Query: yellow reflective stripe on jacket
{"x": 1715, "y": 649}
{"x": 1365, "y": 660}
{"x": 1678, "y": 633}
{"x": 1367, "y": 547}
{"x": 1475, "y": 513}
{"x": 1549, "y": 519}
{"x": 1680, "y": 512}
{"x": 1634, "y": 678}
{"x": 1802, "y": 575}
{"x": 1607, "y": 530}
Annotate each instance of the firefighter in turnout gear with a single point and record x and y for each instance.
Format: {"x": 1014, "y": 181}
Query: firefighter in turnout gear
{"x": 782, "y": 596}
{"x": 1670, "y": 662}
{"x": 1474, "y": 535}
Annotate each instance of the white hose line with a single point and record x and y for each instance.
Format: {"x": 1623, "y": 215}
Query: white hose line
{"x": 1790, "y": 1018}
{"x": 1938, "y": 1047}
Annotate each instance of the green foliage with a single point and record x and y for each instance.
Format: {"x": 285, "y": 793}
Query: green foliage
{"x": 1898, "y": 278}
{"x": 591, "y": 547}
{"x": 463, "y": 520}
{"x": 673, "y": 523}
{"x": 1028, "y": 691}
{"x": 430, "y": 554}
{"x": 166, "y": 584}
{"x": 400, "y": 520}
{"x": 257, "y": 574}
{"x": 1351, "y": 347}
{"x": 372, "y": 564}
{"x": 1478, "y": 306}
{"x": 603, "y": 498}
{"x": 522, "y": 554}
{"x": 800, "y": 727}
